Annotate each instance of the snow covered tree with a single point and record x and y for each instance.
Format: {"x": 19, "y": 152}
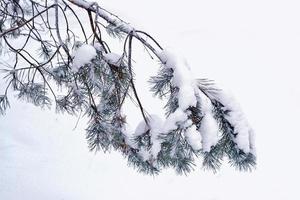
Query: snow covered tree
{"x": 77, "y": 72}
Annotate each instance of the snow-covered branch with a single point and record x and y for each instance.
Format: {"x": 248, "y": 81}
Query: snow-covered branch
{"x": 80, "y": 73}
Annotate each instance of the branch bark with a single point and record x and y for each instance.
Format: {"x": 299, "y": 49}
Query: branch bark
{"x": 114, "y": 20}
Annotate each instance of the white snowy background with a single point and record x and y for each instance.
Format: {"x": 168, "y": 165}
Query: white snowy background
{"x": 251, "y": 47}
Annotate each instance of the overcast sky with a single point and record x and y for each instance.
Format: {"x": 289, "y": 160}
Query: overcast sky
{"x": 250, "y": 47}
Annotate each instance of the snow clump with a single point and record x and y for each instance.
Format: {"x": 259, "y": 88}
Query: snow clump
{"x": 83, "y": 55}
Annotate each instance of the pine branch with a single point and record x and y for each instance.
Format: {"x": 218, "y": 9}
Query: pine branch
{"x": 82, "y": 74}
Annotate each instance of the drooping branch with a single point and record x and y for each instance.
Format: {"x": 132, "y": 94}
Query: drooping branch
{"x": 23, "y": 23}
{"x": 117, "y": 22}
{"x": 131, "y": 79}
{"x": 84, "y": 75}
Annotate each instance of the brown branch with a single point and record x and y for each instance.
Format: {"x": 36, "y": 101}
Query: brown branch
{"x": 24, "y": 23}
{"x": 114, "y": 20}
{"x": 131, "y": 79}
